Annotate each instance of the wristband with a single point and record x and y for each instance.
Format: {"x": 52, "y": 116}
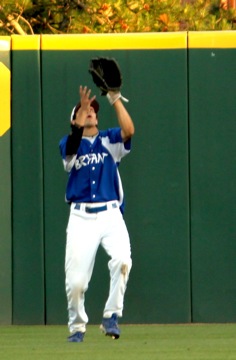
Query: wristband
{"x": 114, "y": 96}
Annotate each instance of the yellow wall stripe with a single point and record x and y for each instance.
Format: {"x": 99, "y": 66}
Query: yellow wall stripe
{"x": 25, "y": 42}
{"x": 212, "y": 39}
{"x": 119, "y": 41}
{"x": 5, "y": 99}
{"x": 132, "y": 41}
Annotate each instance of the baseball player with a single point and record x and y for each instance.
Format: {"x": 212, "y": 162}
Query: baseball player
{"x": 94, "y": 192}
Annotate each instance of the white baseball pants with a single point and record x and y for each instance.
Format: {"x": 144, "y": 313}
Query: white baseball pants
{"x": 85, "y": 232}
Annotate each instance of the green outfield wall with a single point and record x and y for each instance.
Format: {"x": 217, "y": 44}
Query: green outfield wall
{"x": 179, "y": 179}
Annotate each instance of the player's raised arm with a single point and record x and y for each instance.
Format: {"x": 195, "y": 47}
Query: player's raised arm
{"x": 107, "y": 77}
{"x": 79, "y": 119}
{"x": 124, "y": 119}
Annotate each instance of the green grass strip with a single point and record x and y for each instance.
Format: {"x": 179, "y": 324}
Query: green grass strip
{"x": 137, "y": 342}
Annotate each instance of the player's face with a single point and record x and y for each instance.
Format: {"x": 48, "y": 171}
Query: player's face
{"x": 91, "y": 119}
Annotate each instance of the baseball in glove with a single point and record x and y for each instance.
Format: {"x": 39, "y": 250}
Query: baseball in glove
{"x": 107, "y": 77}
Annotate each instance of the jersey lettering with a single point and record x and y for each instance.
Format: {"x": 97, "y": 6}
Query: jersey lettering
{"x": 85, "y": 160}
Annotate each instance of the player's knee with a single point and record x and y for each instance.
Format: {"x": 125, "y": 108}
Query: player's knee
{"x": 77, "y": 285}
{"x": 124, "y": 269}
{"x": 121, "y": 265}
{"x": 126, "y": 266}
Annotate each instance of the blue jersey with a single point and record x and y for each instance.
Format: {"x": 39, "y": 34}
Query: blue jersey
{"x": 93, "y": 171}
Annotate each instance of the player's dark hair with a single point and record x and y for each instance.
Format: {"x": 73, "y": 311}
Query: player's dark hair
{"x": 94, "y": 104}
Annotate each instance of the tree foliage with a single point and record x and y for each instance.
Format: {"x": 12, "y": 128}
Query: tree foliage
{"x": 97, "y": 16}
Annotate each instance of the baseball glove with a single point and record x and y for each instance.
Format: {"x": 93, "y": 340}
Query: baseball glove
{"x": 107, "y": 77}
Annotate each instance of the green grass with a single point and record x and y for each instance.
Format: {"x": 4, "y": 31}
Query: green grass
{"x": 137, "y": 342}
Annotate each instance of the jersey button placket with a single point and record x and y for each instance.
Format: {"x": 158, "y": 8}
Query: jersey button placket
{"x": 93, "y": 196}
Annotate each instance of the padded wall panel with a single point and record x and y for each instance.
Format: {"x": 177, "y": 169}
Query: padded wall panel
{"x": 5, "y": 183}
{"x": 27, "y": 175}
{"x": 212, "y": 76}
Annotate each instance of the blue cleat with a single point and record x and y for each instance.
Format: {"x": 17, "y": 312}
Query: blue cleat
{"x": 110, "y": 327}
{"x": 76, "y": 337}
